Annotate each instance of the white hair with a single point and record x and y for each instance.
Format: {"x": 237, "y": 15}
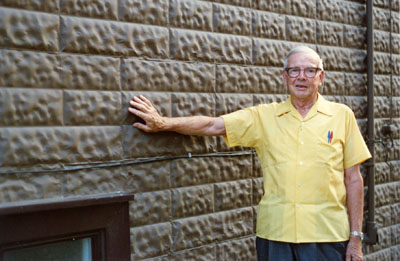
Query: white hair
{"x": 302, "y": 49}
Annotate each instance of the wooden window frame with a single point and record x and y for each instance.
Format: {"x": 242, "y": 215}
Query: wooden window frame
{"x": 102, "y": 217}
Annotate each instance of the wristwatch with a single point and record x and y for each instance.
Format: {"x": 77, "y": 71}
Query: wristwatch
{"x": 357, "y": 234}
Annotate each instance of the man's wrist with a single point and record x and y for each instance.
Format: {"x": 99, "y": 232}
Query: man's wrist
{"x": 357, "y": 234}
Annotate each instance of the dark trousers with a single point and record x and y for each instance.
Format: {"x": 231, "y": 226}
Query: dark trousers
{"x": 268, "y": 250}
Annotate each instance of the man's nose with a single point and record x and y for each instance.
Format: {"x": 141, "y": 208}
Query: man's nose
{"x": 301, "y": 74}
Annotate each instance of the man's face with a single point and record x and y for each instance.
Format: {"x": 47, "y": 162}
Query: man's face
{"x": 303, "y": 87}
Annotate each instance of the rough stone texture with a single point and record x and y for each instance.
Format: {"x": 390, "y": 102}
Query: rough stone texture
{"x": 68, "y": 70}
{"x": 106, "y": 9}
{"x": 232, "y": 20}
{"x": 31, "y": 30}
{"x": 44, "y": 107}
{"x": 191, "y": 14}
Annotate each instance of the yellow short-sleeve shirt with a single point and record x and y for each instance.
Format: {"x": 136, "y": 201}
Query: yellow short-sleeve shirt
{"x": 303, "y": 162}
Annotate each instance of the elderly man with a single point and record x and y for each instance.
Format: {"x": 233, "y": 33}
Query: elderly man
{"x": 310, "y": 151}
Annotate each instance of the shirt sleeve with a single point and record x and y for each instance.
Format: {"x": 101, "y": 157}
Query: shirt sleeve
{"x": 242, "y": 128}
{"x": 355, "y": 149}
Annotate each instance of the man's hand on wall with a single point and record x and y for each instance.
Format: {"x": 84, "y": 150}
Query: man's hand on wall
{"x": 142, "y": 107}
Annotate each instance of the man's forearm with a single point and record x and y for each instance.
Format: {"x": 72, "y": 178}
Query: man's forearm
{"x": 196, "y": 125}
{"x": 355, "y": 198}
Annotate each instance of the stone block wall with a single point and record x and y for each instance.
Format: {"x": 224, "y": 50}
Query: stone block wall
{"x": 69, "y": 67}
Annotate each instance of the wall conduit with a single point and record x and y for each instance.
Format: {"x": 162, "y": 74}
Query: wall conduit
{"x": 371, "y": 230}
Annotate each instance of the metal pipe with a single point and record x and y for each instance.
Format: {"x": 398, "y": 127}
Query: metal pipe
{"x": 371, "y": 231}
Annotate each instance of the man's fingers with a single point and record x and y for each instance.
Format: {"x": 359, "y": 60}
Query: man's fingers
{"x": 138, "y": 113}
{"x": 146, "y": 100}
{"x": 141, "y": 126}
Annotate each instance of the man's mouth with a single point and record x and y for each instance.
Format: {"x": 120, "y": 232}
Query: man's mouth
{"x": 299, "y": 86}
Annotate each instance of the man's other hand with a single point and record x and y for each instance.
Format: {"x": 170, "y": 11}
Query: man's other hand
{"x": 354, "y": 251}
{"x": 142, "y": 107}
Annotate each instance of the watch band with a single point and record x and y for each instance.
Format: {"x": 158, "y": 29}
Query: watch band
{"x": 357, "y": 234}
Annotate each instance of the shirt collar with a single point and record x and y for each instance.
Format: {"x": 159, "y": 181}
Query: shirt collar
{"x": 322, "y": 106}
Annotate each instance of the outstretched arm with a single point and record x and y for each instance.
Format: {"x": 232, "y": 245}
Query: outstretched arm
{"x": 195, "y": 125}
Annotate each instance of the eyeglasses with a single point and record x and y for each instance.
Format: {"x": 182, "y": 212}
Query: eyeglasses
{"x": 309, "y": 72}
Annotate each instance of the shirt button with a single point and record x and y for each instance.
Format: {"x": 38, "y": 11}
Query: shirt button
{"x": 301, "y": 163}
{"x": 302, "y": 123}
{"x": 302, "y": 142}
{"x": 299, "y": 185}
{"x": 298, "y": 206}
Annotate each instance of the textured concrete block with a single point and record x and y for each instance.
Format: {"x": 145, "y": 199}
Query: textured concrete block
{"x": 209, "y": 47}
{"x": 355, "y": 37}
{"x": 336, "y": 59}
{"x": 236, "y": 223}
{"x": 95, "y": 181}
{"x": 381, "y": 19}
{"x": 332, "y": 10}
{"x": 268, "y": 25}
{"x": 269, "y": 52}
{"x": 279, "y": 7}
{"x": 30, "y": 186}
{"x": 188, "y": 172}
{"x": 355, "y": 84}
{"x": 240, "y": 79}
{"x": 192, "y": 201}
{"x": 204, "y": 253}
{"x": 382, "y": 172}
{"x": 29, "y": 69}
{"x": 105, "y": 9}
{"x": 232, "y": 20}
{"x": 383, "y": 216}
{"x": 144, "y": 11}
{"x": 341, "y": 12}
{"x": 382, "y": 85}
{"x": 382, "y": 107}
{"x": 396, "y": 235}
{"x": 300, "y": 29}
{"x": 306, "y": 8}
{"x": 235, "y": 194}
{"x": 80, "y": 35}
{"x": 150, "y": 208}
{"x": 58, "y": 145}
{"x": 395, "y": 252}
{"x": 242, "y": 249}
{"x": 258, "y": 190}
{"x": 90, "y": 72}
{"x": 384, "y": 194}
{"x": 381, "y": 63}
{"x": 27, "y": 107}
{"x": 235, "y": 2}
{"x": 359, "y": 106}
{"x": 167, "y": 76}
{"x": 138, "y": 144}
{"x": 150, "y": 241}
{"x": 334, "y": 84}
{"x": 148, "y": 176}
{"x": 31, "y": 30}
{"x": 268, "y": 98}
{"x": 381, "y": 41}
{"x": 395, "y": 213}
{"x": 329, "y": 33}
{"x": 195, "y": 231}
{"x": 188, "y": 104}
{"x": 357, "y": 60}
{"x": 191, "y": 14}
{"x": 92, "y": 108}
{"x": 227, "y": 103}
{"x": 51, "y": 6}
{"x": 383, "y": 255}
{"x": 209, "y": 170}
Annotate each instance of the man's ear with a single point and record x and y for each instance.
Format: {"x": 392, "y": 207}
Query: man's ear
{"x": 321, "y": 78}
